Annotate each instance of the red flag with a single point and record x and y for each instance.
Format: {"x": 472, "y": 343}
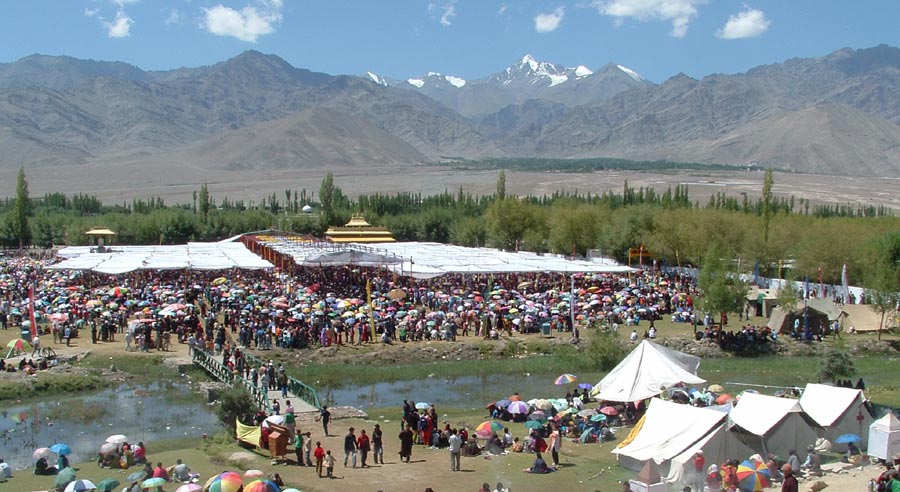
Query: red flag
{"x": 31, "y": 311}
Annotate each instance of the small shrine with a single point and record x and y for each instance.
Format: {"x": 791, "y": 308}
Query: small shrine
{"x": 359, "y": 231}
{"x": 101, "y": 234}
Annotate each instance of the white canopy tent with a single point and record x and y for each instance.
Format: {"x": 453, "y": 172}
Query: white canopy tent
{"x": 717, "y": 447}
{"x": 884, "y": 437}
{"x": 646, "y": 371}
{"x": 837, "y": 411}
{"x": 425, "y": 260}
{"x": 195, "y": 256}
{"x": 668, "y": 429}
{"x": 771, "y": 424}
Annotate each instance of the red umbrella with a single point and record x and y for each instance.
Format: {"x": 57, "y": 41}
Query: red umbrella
{"x": 723, "y": 399}
{"x": 609, "y": 411}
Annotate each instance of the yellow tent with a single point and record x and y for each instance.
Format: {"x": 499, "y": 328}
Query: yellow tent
{"x": 249, "y": 434}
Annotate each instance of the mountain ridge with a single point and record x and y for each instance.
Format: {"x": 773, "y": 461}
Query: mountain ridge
{"x": 838, "y": 113}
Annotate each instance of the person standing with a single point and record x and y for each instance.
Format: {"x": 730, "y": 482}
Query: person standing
{"x": 406, "y": 442}
{"x": 325, "y": 417}
{"x": 307, "y": 448}
{"x": 378, "y": 445}
{"x": 455, "y": 449}
{"x": 350, "y": 448}
{"x": 555, "y": 445}
{"x": 790, "y": 481}
{"x": 320, "y": 458}
{"x": 298, "y": 447}
{"x": 364, "y": 445}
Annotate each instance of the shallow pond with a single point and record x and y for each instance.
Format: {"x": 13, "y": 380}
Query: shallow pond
{"x": 142, "y": 413}
{"x": 463, "y": 393}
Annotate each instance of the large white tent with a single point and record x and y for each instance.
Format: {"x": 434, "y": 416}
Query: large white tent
{"x": 771, "y": 424}
{"x": 884, "y": 437}
{"x": 718, "y": 446}
{"x": 837, "y": 411}
{"x": 649, "y": 369}
{"x": 194, "y": 256}
{"x": 668, "y": 429}
{"x": 428, "y": 260}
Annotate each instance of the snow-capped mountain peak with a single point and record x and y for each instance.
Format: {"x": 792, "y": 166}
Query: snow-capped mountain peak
{"x": 455, "y": 81}
{"x": 378, "y": 79}
{"x": 582, "y": 71}
{"x": 631, "y": 73}
{"x": 416, "y": 82}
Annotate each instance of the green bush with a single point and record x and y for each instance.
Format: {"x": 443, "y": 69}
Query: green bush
{"x": 836, "y": 364}
{"x": 234, "y": 403}
{"x": 605, "y": 350}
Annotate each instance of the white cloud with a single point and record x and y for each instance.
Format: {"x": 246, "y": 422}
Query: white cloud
{"x": 550, "y": 21}
{"x": 120, "y": 27}
{"x": 502, "y": 9}
{"x": 174, "y": 17}
{"x": 246, "y": 24}
{"x": 679, "y": 12}
{"x": 746, "y": 24}
{"x": 446, "y": 10}
{"x": 91, "y": 12}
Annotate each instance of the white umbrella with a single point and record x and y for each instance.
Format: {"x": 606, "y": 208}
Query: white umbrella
{"x": 117, "y": 439}
{"x": 108, "y": 448}
{"x": 80, "y": 485}
{"x": 273, "y": 419}
{"x": 254, "y": 473}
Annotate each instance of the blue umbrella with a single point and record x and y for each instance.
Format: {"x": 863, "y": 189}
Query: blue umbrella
{"x": 846, "y": 438}
{"x": 586, "y": 386}
{"x": 60, "y": 448}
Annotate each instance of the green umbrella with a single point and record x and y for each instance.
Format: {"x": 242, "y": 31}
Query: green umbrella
{"x": 533, "y": 424}
{"x": 64, "y": 477}
{"x": 107, "y": 485}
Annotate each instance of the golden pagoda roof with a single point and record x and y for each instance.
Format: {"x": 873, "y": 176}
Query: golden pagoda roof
{"x": 359, "y": 231}
{"x": 100, "y": 231}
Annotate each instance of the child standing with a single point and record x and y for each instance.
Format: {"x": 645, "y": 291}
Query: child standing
{"x": 320, "y": 457}
{"x": 329, "y": 463}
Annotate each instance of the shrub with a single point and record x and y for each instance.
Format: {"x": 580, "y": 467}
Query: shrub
{"x": 605, "y": 350}
{"x": 234, "y": 403}
{"x": 836, "y": 364}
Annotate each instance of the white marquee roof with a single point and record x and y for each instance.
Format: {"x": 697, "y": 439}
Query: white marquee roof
{"x": 428, "y": 260}
{"x": 194, "y": 256}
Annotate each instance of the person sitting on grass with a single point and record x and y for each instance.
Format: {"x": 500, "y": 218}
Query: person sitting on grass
{"x": 42, "y": 467}
{"x": 539, "y": 465}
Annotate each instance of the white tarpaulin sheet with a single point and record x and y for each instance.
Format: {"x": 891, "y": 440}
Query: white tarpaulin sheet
{"x": 670, "y": 428}
{"x": 429, "y": 260}
{"x": 646, "y": 371}
{"x": 194, "y": 256}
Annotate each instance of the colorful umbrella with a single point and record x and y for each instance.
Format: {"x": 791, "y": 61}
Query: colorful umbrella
{"x": 753, "y": 476}
{"x": 225, "y": 482}
{"x": 18, "y": 345}
{"x": 599, "y": 417}
{"x": 189, "y": 487}
{"x": 723, "y": 399}
{"x": 41, "y": 453}
{"x": 518, "y": 407}
{"x": 153, "y": 482}
{"x": 61, "y": 449}
{"x": 261, "y": 486}
{"x": 80, "y": 486}
{"x": 488, "y": 427}
{"x": 533, "y": 424}
{"x": 565, "y": 379}
{"x": 107, "y": 485}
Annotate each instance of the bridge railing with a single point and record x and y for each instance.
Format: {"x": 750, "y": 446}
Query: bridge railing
{"x": 295, "y": 387}
{"x": 217, "y": 370}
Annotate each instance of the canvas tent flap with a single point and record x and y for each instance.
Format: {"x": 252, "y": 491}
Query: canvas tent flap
{"x": 758, "y": 414}
{"x": 669, "y": 428}
{"x": 825, "y": 404}
{"x": 717, "y": 446}
{"x": 646, "y": 371}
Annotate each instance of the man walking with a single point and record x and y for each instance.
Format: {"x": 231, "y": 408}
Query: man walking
{"x": 455, "y": 450}
{"x": 378, "y": 445}
{"x": 350, "y": 447}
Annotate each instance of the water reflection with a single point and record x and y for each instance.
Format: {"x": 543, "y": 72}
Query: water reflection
{"x": 143, "y": 413}
{"x": 463, "y": 392}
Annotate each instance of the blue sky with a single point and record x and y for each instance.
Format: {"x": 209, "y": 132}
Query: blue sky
{"x": 466, "y": 38}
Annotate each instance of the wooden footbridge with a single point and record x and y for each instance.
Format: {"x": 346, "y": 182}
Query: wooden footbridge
{"x": 302, "y": 396}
